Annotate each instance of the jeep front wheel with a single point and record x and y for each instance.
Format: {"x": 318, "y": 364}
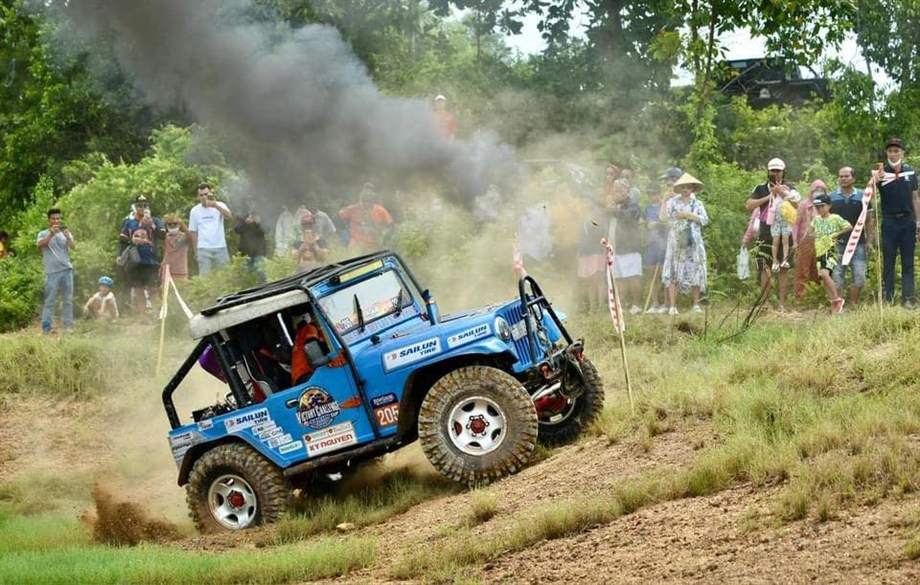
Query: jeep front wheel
{"x": 477, "y": 424}
{"x": 561, "y": 419}
{"x": 232, "y": 487}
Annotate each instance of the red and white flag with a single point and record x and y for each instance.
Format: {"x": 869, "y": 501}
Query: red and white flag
{"x": 861, "y": 221}
{"x": 613, "y": 299}
{"x": 517, "y": 259}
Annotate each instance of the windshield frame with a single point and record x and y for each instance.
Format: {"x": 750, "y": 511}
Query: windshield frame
{"x": 378, "y": 309}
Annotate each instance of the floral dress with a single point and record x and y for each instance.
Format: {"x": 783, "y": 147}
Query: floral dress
{"x": 685, "y": 255}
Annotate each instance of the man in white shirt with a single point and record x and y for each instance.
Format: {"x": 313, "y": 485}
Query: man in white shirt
{"x": 206, "y": 231}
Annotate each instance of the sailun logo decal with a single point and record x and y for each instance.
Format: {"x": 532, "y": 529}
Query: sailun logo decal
{"x": 469, "y": 335}
{"x": 411, "y": 353}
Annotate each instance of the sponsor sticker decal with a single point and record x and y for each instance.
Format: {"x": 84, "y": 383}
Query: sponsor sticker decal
{"x": 289, "y": 447}
{"x": 244, "y": 421}
{"x": 469, "y": 335}
{"x": 278, "y": 441}
{"x": 330, "y": 439}
{"x": 263, "y": 428}
{"x": 186, "y": 438}
{"x": 269, "y": 434}
{"x": 205, "y": 425}
{"x": 383, "y": 400}
{"x": 316, "y": 408}
{"x": 411, "y": 353}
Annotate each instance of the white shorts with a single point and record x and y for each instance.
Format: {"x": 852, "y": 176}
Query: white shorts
{"x": 627, "y": 265}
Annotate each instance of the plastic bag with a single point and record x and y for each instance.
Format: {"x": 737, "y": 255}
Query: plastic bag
{"x": 743, "y": 264}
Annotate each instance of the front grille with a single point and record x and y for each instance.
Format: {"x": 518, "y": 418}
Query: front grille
{"x": 512, "y": 315}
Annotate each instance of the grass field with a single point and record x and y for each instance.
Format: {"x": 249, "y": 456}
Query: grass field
{"x": 825, "y": 408}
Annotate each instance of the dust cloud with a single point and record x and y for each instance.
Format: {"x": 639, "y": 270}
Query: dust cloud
{"x": 120, "y": 523}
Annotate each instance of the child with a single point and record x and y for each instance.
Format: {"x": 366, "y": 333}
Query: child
{"x": 102, "y": 304}
{"x": 783, "y": 215}
{"x": 826, "y": 228}
{"x": 175, "y": 248}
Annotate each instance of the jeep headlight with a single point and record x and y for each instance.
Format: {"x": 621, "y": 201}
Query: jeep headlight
{"x": 503, "y": 329}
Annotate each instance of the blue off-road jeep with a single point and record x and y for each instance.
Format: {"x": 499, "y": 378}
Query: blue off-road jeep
{"x": 477, "y": 388}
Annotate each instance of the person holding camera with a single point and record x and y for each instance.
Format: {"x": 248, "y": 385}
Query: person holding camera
{"x": 206, "y": 231}
{"x": 252, "y": 240}
{"x": 309, "y": 250}
{"x": 763, "y": 197}
{"x": 142, "y": 230}
{"x": 56, "y": 242}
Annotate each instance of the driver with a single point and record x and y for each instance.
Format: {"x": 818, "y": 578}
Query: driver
{"x": 305, "y": 353}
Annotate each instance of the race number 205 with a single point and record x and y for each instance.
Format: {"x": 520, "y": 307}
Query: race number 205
{"x": 388, "y": 415}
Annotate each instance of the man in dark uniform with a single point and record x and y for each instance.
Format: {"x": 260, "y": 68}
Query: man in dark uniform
{"x": 900, "y": 207}
{"x": 762, "y": 197}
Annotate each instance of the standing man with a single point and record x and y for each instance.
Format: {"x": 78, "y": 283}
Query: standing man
{"x": 762, "y": 197}
{"x": 846, "y": 201}
{"x": 206, "y": 231}
{"x": 252, "y": 240}
{"x": 143, "y": 230}
{"x": 445, "y": 122}
{"x": 900, "y": 207}
{"x": 56, "y": 242}
{"x": 369, "y": 223}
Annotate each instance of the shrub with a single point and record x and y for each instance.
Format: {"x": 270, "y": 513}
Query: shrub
{"x": 21, "y": 285}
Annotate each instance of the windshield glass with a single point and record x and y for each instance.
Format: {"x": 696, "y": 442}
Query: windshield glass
{"x": 376, "y": 298}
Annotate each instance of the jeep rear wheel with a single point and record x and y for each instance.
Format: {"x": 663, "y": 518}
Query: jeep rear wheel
{"x": 477, "y": 424}
{"x": 563, "y": 420}
{"x": 232, "y": 487}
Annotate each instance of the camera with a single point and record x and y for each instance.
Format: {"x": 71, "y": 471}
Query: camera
{"x": 62, "y": 227}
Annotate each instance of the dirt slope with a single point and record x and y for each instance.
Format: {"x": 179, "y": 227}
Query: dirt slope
{"x": 727, "y": 537}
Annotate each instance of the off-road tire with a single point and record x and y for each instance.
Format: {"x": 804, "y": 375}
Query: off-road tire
{"x": 508, "y": 419}
{"x": 235, "y": 466}
{"x": 576, "y": 418}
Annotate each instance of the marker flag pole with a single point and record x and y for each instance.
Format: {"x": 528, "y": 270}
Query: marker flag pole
{"x": 616, "y": 314}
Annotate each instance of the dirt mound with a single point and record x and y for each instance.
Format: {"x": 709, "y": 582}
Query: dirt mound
{"x": 124, "y": 523}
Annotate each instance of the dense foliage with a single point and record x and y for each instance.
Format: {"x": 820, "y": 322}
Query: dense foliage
{"x": 75, "y": 131}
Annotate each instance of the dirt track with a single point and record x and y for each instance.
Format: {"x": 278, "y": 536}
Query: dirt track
{"x": 727, "y": 537}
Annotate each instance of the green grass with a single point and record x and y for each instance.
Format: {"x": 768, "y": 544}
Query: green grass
{"x": 36, "y": 493}
{"x": 362, "y": 504}
{"x": 55, "y": 549}
{"x": 824, "y": 408}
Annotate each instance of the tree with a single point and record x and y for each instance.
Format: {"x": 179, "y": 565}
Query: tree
{"x": 56, "y": 107}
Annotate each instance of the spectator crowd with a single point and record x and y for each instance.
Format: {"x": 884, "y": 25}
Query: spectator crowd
{"x": 658, "y": 234}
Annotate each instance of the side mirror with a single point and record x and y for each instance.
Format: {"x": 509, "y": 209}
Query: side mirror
{"x": 314, "y": 353}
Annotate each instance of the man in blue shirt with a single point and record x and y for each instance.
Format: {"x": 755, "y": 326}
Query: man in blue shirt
{"x": 846, "y": 202}
{"x": 899, "y": 204}
{"x": 143, "y": 231}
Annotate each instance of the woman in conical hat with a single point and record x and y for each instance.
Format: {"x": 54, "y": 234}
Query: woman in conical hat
{"x": 684, "y": 268}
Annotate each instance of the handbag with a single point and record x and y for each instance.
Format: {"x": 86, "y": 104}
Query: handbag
{"x": 129, "y": 257}
{"x": 743, "y": 264}
{"x": 688, "y": 236}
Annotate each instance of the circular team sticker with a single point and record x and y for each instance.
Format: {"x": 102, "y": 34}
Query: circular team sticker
{"x": 316, "y": 408}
